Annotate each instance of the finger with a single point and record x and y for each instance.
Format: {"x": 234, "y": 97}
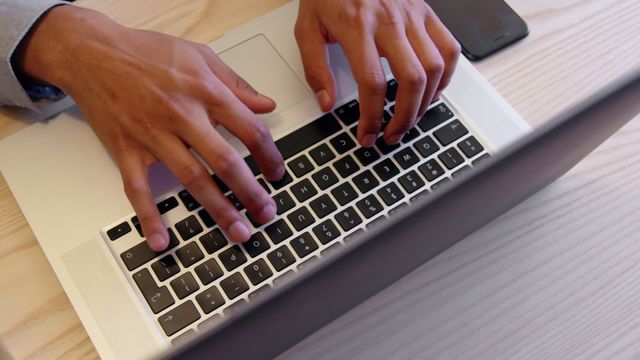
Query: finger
{"x": 232, "y": 170}
{"x": 447, "y": 45}
{"x": 431, "y": 60}
{"x": 227, "y": 110}
{"x": 315, "y": 60}
{"x": 192, "y": 174}
{"x": 412, "y": 81}
{"x": 136, "y": 185}
{"x": 364, "y": 60}
{"x": 249, "y": 96}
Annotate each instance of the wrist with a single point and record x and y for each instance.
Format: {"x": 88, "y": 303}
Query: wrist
{"x": 57, "y": 42}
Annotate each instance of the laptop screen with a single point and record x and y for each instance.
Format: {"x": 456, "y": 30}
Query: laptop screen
{"x": 346, "y": 278}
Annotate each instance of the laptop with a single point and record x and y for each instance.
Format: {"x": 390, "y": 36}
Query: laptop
{"x": 337, "y": 202}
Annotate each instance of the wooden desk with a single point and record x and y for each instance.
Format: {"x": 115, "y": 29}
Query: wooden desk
{"x": 558, "y": 276}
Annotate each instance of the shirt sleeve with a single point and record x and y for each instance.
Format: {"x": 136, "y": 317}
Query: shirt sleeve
{"x": 16, "y": 19}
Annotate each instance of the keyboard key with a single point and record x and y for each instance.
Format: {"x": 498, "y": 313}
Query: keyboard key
{"x": 344, "y": 193}
{"x": 189, "y": 254}
{"x": 417, "y": 196}
{"x": 440, "y": 183}
{"x": 184, "y": 337}
{"x": 221, "y": 185}
{"x": 179, "y": 318}
{"x": 211, "y": 322}
{"x": 136, "y": 224}
{"x": 301, "y": 218}
{"x": 300, "y": 166}
{"x": 210, "y": 299}
{"x": 233, "y": 199}
{"x": 258, "y": 272}
{"x": 435, "y": 116}
{"x": 141, "y": 253}
{"x": 470, "y": 147}
{"x": 323, "y": 206}
{"x": 278, "y": 231}
{"x": 261, "y": 291}
{"x": 411, "y": 135}
{"x": 431, "y": 170}
{"x": 346, "y": 166}
{"x": 411, "y": 182}
{"x": 119, "y": 230}
{"x": 284, "y": 202}
{"x": 184, "y": 285}
{"x": 236, "y": 306}
{"x": 386, "y": 169}
{"x": 406, "y": 158}
{"x": 325, "y": 178}
{"x": 369, "y": 206}
{"x": 264, "y": 185}
{"x": 165, "y": 205}
{"x": 349, "y": 113}
{"x": 253, "y": 165}
{"x": 308, "y": 135}
{"x": 450, "y": 132}
{"x": 366, "y": 181}
{"x": 165, "y": 267}
{"x": 208, "y": 271}
{"x": 256, "y": 245}
{"x": 232, "y": 257}
{"x": 322, "y": 154}
{"x": 303, "y": 190}
{"x": 376, "y": 222}
{"x": 386, "y": 117}
{"x": 234, "y": 285}
{"x": 404, "y": 204}
{"x": 213, "y": 241}
{"x": 331, "y": 249}
{"x": 207, "y": 220}
{"x": 348, "y": 218}
{"x": 384, "y": 147}
{"x": 310, "y": 262}
{"x": 188, "y": 227}
{"x": 460, "y": 171}
{"x": 353, "y": 235}
{"x": 390, "y": 194}
{"x": 480, "y": 159}
{"x": 342, "y": 143}
{"x": 158, "y": 298}
{"x": 392, "y": 90}
{"x": 426, "y": 146}
{"x": 283, "y": 278}
{"x": 188, "y": 201}
{"x": 303, "y": 244}
{"x": 281, "y": 257}
{"x": 451, "y": 158}
{"x": 367, "y": 156}
{"x": 326, "y": 231}
{"x": 286, "y": 180}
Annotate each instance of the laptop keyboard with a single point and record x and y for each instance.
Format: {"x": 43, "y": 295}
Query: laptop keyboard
{"x": 333, "y": 189}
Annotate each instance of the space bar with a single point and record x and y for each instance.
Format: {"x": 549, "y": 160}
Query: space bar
{"x": 308, "y": 135}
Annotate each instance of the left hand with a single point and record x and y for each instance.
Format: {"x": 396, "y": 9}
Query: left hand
{"x": 421, "y": 51}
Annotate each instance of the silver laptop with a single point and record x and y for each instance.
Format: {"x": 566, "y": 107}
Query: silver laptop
{"x": 135, "y": 303}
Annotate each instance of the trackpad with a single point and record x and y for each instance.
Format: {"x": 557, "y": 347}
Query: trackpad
{"x": 261, "y": 65}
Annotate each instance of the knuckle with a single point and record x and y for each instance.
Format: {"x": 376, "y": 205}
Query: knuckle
{"x": 435, "y": 67}
{"x": 414, "y": 78}
{"x": 190, "y": 174}
{"x": 257, "y": 135}
{"x": 374, "y": 82}
{"x": 226, "y": 162}
{"x": 134, "y": 187}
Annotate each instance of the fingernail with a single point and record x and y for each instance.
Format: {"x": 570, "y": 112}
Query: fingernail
{"x": 157, "y": 242}
{"x": 323, "y": 98}
{"x": 368, "y": 140}
{"x": 267, "y": 213}
{"x": 394, "y": 139}
{"x": 239, "y": 231}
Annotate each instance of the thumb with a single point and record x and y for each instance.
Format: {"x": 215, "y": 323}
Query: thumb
{"x": 315, "y": 59}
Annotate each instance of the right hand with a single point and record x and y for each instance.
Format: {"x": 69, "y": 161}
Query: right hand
{"x": 151, "y": 97}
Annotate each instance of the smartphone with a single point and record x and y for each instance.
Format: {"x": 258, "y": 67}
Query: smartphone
{"x": 481, "y": 26}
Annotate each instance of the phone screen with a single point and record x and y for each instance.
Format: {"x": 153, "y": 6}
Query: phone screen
{"x": 481, "y": 26}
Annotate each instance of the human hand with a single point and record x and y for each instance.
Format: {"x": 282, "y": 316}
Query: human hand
{"x": 151, "y": 97}
{"x": 422, "y": 54}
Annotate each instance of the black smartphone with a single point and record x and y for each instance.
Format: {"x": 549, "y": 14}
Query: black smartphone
{"x": 481, "y": 26}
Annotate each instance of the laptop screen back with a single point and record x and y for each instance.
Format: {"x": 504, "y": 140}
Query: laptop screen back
{"x": 341, "y": 281}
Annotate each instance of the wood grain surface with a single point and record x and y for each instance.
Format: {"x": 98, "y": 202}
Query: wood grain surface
{"x": 556, "y": 277}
